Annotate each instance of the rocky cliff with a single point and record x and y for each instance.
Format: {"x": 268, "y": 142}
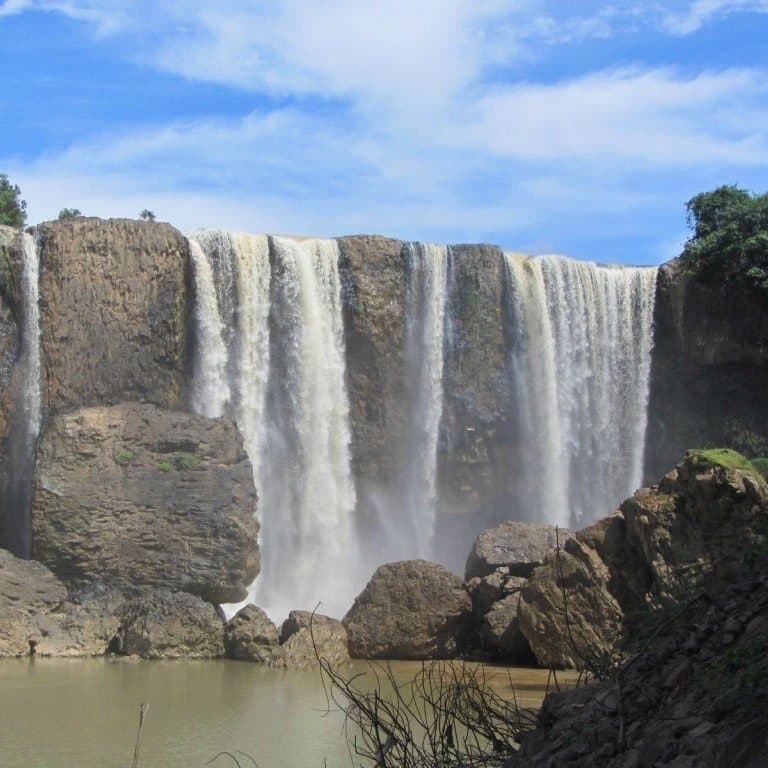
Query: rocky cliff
{"x": 137, "y": 497}
{"x": 113, "y": 312}
{"x": 709, "y": 375}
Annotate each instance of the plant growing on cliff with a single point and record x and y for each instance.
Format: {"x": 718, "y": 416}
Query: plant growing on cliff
{"x": 730, "y": 236}
{"x": 69, "y": 213}
{"x": 147, "y": 215}
{"x": 13, "y": 210}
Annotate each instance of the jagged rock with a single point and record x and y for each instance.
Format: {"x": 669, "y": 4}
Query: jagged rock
{"x": 566, "y": 612}
{"x": 169, "y": 625}
{"x": 701, "y": 514}
{"x": 490, "y": 589}
{"x": 500, "y": 632}
{"x": 250, "y": 635}
{"x": 409, "y": 610}
{"x": 305, "y": 637}
{"x": 136, "y": 497}
{"x": 113, "y": 312}
{"x": 518, "y": 546}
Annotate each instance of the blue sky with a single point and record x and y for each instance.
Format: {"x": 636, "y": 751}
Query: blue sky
{"x": 571, "y": 127}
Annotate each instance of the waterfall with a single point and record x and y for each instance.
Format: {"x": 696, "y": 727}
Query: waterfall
{"x": 309, "y": 497}
{"x": 25, "y": 422}
{"x": 31, "y": 336}
{"x": 272, "y": 343}
{"x": 425, "y": 322}
{"x": 210, "y": 388}
{"x": 580, "y": 360}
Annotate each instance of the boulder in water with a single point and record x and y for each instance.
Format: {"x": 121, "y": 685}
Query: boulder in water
{"x": 137, "y": 497}
{"x": 518, "y": 546}
{"x": 169, "y": 625}
{"x": 307, "y": 637}
{"x": 409, "y": 610}
{"x": 250, "y": 635}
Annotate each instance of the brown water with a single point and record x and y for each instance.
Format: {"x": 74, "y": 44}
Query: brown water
{"x": 83, "y": 713}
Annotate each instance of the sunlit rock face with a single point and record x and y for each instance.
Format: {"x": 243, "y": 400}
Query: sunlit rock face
{"x": 113, "y": 312}
{"x": 133, "y": 496}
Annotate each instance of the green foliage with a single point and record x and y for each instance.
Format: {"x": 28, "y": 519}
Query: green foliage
{"x": 164, "y": 466}
{"x": 13, "y": 210}
{"x": 730, "y": 236}
{"x": 123, "y": 457}
{"x": 184, "y": 461}
{"x": 147, "y": 215}
{"x": 69, "y": 213}
{"x": 725, "y": 457}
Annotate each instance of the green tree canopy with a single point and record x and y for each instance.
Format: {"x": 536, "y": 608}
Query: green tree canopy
{"x": 69, "y": 213}
{"x": 147, "y": 215}
{"x": 730, "y": 235}
{"x": 13, "y": 210}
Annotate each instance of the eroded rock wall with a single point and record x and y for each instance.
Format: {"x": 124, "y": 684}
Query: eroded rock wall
{"x": 113, "y": 312}
{"x": 709, "y": 374}
{"x": 137, "y": 497}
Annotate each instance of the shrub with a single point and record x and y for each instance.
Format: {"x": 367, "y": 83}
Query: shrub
{"x": 123, "y": 457}
{"x": 184, "y": 461}
{"x": 147, "y": 215}
{"x": 69, "y": 213}
{"x": 164, "y": 466}
{"x": 13, "y": 210}
{"x": 730, "y": 236}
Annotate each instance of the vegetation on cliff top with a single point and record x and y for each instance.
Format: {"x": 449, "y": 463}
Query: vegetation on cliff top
{"x": 726, "y": 457}
{"x": 730, "y": 236}
{"x": 13, "y": 210}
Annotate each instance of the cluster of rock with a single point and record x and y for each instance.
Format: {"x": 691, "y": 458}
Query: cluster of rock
{"x": 697, "y": 697}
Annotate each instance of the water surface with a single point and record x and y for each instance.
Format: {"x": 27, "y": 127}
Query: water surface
{"x": 83, "y": 713}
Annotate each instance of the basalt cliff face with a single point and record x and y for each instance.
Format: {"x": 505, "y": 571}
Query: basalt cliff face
{"x": 459, "y": 387}
{"x": 709, "y": 375}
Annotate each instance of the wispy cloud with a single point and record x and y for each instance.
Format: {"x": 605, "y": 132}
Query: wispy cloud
{"x": 701, "y": 12}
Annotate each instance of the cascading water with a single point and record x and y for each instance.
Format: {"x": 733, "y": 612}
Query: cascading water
{"x": 25, "y": 422}
{"x": 309, "y": 496}
{"x": 425, "y": 323}
{"x": 581, "y": 350}
{"x": 210, "y": 388}
{"x": 284, "y": 365}
{"x": 31, "y": 337}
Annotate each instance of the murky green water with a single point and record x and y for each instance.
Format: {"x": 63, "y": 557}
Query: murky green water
{"x": 58, "y": 713}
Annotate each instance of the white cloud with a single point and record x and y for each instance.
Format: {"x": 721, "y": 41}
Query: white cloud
{"x": 701, "y": 12}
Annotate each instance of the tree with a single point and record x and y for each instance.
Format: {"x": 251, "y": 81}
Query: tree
{"x": 147, "y": 215}
{"x": 69, "y": 213}
{"x": 730, "y": 236}
{"x": 13, "y": 210}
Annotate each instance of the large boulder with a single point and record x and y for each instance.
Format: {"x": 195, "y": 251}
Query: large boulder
{"x": 309, "y": 637}
{"x": 250, "y": 635}
{"x": 169, "y": 625}
{"x": 409, "y": 610}
{"x": 566, "y": 612}
{"x": 136, "y": 497}
{"x": 113, "y": 312}
{"x": 518, "y": 546}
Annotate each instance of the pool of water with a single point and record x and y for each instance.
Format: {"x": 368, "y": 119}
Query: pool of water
{"x": 83, "y": 713}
